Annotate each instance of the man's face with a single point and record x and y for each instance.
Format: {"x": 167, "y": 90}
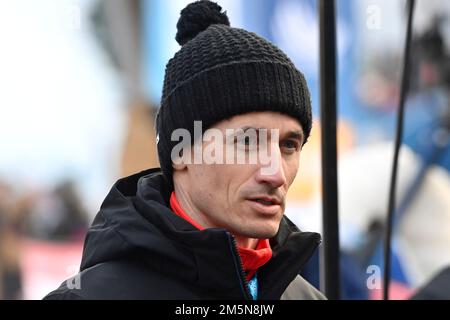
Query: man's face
{"x": 246, "y": 199}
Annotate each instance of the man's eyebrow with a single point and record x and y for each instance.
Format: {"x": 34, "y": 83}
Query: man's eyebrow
{"x": 243, "y": 129}
{"x": 295, "y": 135}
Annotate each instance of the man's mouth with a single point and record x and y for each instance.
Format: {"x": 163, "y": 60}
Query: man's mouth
{"x": 265, "y": 202}
{"x": 268, "y": 201}
{"x": 265, "y": 205}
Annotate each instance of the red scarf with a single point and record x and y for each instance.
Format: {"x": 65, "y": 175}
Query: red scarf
{"x": 252, "y": 259}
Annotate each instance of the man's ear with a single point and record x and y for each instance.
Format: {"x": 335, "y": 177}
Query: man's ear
{"x": 179, "y": 163}
{"x": 179, "y": 166}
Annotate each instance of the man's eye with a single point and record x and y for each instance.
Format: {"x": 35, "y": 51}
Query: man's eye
{"x": 290, "y": 145}
{"x": 246, "y": 141}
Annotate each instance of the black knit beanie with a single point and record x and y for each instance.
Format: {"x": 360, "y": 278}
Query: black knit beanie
{"x": 220, "y": 72}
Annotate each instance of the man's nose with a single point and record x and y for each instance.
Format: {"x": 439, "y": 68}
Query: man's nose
{"x": 272, "y": 172}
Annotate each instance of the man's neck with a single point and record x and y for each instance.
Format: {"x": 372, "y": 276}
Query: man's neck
{"x": 247, "y": 243}
{"x": 189, "y": 208}
{"x": 186, "y": 205}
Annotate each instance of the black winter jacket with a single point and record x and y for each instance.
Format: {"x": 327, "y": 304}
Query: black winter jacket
{"x": 137, "y": 248}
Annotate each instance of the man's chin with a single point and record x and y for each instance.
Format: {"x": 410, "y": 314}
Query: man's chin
{"x": 262, "y": 233}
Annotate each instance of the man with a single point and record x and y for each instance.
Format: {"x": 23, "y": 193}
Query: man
{"x": 209, "y": 224}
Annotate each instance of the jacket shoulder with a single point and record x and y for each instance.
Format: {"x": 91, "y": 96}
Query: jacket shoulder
{"x": 108, "y": 280}
{"x": 62, "y": 293}
{"x": 300, "y": 289}
{"x": 123, "y": 280}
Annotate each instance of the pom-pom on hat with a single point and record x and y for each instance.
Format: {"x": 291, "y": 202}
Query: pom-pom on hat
{"x": 220, "y": 72}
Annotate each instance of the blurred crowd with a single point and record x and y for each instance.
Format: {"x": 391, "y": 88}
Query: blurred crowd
{"x": 53, "y": 215}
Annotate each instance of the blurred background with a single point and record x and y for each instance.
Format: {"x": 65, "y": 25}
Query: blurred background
{"x": 80, "y": 84}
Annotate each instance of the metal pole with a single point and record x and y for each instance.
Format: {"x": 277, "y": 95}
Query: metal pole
{"x": 398, "y": 141}
{"x": 329, "y": 267}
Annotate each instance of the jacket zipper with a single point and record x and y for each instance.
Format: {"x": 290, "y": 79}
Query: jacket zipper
{"x": 240, "y": 265}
